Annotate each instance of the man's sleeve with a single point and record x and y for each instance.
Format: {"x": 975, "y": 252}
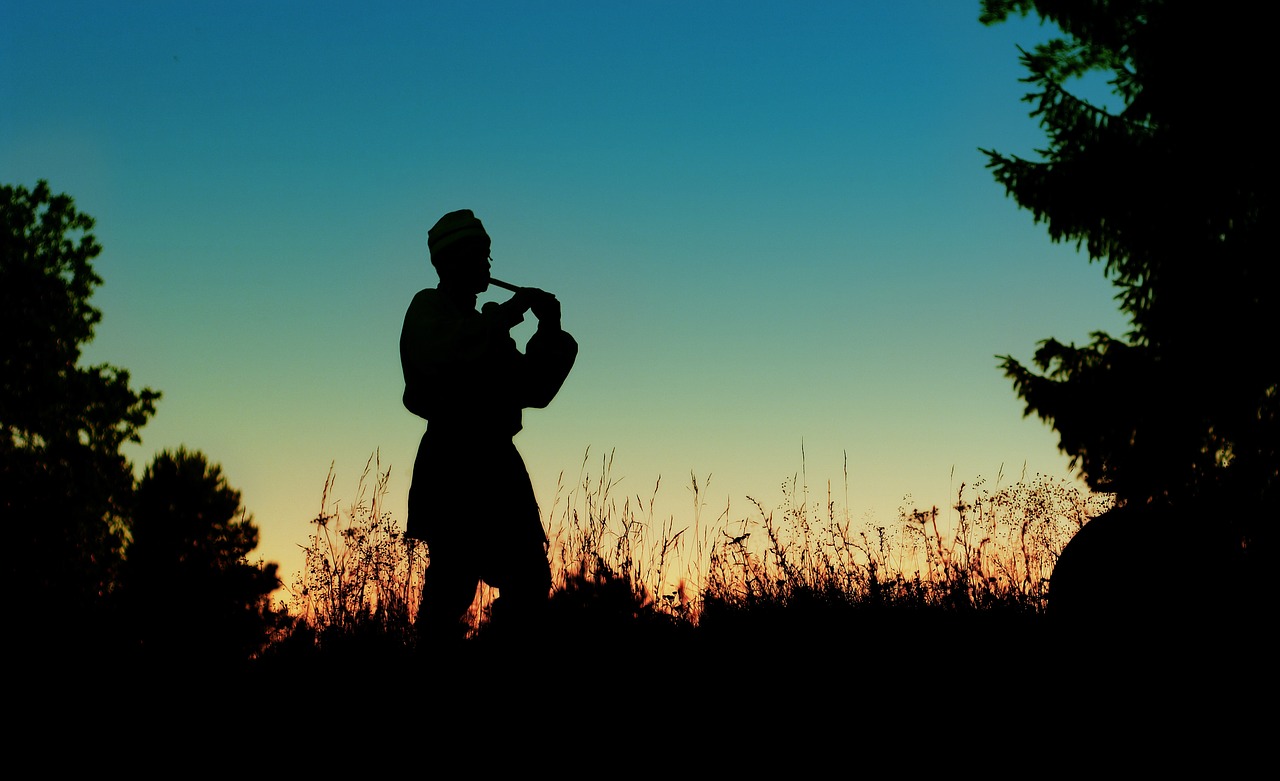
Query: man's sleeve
{"x": 549, "y": 356}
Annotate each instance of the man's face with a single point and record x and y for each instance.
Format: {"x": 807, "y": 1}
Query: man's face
{"x": 467, "y": 266}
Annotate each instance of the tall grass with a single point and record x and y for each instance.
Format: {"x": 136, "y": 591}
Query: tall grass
{"x": 360, "y": 575}
{"x": 614, "y": 556}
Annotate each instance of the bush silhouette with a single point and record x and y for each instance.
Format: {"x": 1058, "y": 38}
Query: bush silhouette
{"x": 187, "y": 587}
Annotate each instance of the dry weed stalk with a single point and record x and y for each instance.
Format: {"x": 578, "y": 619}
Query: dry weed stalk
{"x": 359, "y": 570}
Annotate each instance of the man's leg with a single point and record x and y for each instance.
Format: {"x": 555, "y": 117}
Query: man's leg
{"x": 524, "y": 585}
{"x": 517, "y": 548}
{"x": 448, "y": 589}
{"x": 449, "y": 584}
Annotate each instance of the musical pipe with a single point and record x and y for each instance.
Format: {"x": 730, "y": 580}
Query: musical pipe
{"x": 505, "y": 285}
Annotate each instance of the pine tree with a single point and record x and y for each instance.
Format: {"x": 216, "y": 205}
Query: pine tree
{"x": 1171, "y": 193}
{"x": 187, "y": 587}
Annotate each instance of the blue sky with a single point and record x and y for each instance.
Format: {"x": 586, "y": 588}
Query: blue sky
{"x": 768, "y": 223}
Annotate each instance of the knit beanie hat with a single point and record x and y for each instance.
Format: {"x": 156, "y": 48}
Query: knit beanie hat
{"x": 453, "y": 227}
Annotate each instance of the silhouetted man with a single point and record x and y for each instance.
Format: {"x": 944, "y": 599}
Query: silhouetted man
{"x": 471, "y": 499}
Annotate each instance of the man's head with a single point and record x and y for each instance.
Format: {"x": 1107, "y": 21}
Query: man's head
{"x": 459, "y": 249}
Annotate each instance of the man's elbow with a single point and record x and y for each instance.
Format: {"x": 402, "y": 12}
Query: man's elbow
{"x": 416, "y": 404}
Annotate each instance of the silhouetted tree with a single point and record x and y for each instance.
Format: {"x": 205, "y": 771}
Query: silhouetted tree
{"x": 187, "y": 587}
{"x": 1171, "y": 192}
{"x": 63, "y": 480}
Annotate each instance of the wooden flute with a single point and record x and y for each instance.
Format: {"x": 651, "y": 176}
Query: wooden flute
{"x": 505, "y": 285}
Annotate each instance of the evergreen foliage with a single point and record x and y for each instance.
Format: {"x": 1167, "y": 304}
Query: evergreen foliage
{"x": 187, "y": 585}
{"x": 1169, "y": 192}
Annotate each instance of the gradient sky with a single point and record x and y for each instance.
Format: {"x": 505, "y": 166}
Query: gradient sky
{"x": 768, "y": 223}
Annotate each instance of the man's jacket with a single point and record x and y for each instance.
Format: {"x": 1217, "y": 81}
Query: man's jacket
{"x": 464, "y": 374}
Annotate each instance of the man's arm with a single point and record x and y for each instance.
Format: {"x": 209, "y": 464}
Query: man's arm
{"x": 550, "y": 353}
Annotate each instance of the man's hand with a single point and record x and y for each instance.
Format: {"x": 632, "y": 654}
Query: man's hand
{"x": 505, "y": 316}
{"x": 546, "y": 308}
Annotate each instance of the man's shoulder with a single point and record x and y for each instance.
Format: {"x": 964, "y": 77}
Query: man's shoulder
{"x": 425, "y": 301}
{"x": 433, "y": 311}
{"x": 427, "y": 295}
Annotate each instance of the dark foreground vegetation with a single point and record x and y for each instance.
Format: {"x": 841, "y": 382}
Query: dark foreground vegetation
{"x": 800, "y": 599}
